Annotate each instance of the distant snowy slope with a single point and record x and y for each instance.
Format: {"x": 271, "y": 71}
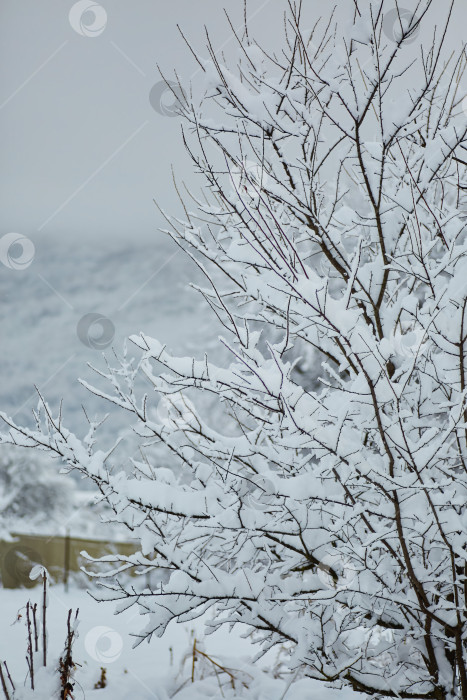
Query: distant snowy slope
{"x": 138, "y": 286}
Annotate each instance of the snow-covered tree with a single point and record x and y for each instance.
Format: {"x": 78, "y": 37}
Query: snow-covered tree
{"x": 31, "y": 491}
{"x": 331, "y": 236}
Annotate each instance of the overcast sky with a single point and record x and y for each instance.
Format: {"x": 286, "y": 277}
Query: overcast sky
{"x": 83, "y": 151}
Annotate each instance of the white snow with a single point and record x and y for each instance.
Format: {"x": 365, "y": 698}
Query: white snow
{"x": 149, "y": 671}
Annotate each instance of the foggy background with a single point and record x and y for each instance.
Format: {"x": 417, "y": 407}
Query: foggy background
{"x": 84, "y": 153}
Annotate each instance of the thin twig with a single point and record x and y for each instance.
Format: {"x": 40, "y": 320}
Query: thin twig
{"x": 36, "y": 634}
{"x": 44, "y": 613}
{"x": 8, "y": 674}
{"x": 30, "y": 654}
{"x": 2, "y": 679}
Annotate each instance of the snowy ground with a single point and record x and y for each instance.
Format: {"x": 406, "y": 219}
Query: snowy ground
{"x": 152, "y": 671}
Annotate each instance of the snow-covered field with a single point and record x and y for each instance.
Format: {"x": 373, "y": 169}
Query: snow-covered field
{"x": 155, "y": 671}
